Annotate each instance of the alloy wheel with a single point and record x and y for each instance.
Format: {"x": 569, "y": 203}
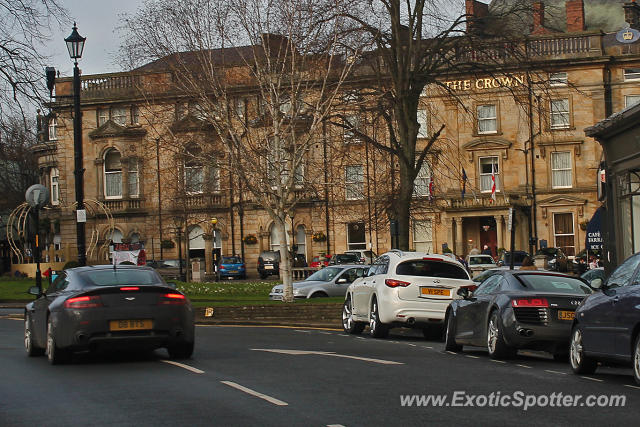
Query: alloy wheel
{"x": 373, "y": 318}
{"x": 492, "y": 335}
{"x": 576, "y": 349}
{"x": 636, "y": 361}
{"x": 347, "y": 315}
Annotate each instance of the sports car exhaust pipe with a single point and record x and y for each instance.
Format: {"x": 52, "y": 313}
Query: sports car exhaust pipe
{"x": 411, "y": 320}
{"x": 525, "y": 332}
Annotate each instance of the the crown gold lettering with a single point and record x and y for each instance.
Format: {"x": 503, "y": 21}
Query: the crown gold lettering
{"x": 627, "y": 35}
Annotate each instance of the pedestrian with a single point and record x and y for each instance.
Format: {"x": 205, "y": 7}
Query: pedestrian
{"x": 486, "y": 250}
{"x": 582, "y": 266}
{"x": 593, "y": 263}
{"x": 47, "y": 274}
{"x": 527, "y": 264}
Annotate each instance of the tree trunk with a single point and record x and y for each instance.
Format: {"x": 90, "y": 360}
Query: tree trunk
{"x": 403, "y": 207}
{"x": 285, "y": 263}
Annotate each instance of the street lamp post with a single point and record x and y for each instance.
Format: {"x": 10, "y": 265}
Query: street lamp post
{"x": 179, "y": 223}
{"x": 216, "y": 260}
{"x": 75, "y": 45}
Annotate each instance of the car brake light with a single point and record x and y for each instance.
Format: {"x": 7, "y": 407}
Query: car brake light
{"x": 393, "y": 283}
{"x": 86, "y": 301}
{"x": 530, "y": 302}
{"x": 471, "y": 288}
{"x": 222, "y": 267}
{"x": 130, "y": 288}
{"x": 172, "y": 298}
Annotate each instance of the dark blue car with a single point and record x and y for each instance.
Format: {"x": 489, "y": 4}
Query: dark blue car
{"x": 607, "y": 323}
{"x": 233, "y": 266}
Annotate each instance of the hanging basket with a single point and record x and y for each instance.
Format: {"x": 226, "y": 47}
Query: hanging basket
{"x": 250, "y": 239}
{"x": 167, "y": 244}
{"x": 319, "y": 236}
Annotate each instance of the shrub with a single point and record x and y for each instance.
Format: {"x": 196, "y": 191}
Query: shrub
{"x": 71, "y": 264}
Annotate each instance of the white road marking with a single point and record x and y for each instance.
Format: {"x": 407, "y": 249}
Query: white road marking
{"x": 335, "y": 425}
{"x": 327, "y": 353}
{"x": 472, "y": 357}
{"x": 497, "y": 361}
{"x": 304, "y": 332}
{"x": 426, "y": 346}
{"x": 325, "y": 333}
{"x": 524, "y": 366}
{"x": 555, "y": 372}
{"x": 592, "y": 379}
{"x": 360, "y": 338}
{"x": 412, "y": 345}
{"x": 451, "y": 352}
{"x": 183, "y": 366}
{"x": 255, "y": 393}
{"x": 632, "y": 386}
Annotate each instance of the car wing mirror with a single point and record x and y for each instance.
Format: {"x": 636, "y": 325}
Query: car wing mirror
{"x": 34, "y": 290}
{"x": 171, "y": 285}
{"x": 463, "y": 292}
{"x": 342, "y": 280}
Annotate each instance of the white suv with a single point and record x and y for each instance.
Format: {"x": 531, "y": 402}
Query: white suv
{"x": 409, "y": 289}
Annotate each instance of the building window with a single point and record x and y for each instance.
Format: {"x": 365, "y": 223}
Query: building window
{"x": 55, "y": 186}
{"x": 630, "y": 100}
{"x": 119, "y": 115}
{"x": 421, "y": 183}
{"x": 487, "y": 119}
{"x": 53, "y": 129}
{"x": 354, "y": 182}
{"x": 560, "y": 113}
{"x": 631, "y": 74}
{"x": 135, "y": 115}
{"x": 356, "y": 236}
{"x": 193, "y": 171}
{"x": 135, "y": 238}
{"x": 112, "y": 174}
{"x": 423, "y": 236}
{"x": 352, "y": 120}
{"x": 423, "y": 123}
{"x": 561, "y": 171}
{"x": 103, "y": 116}
{"x": 301, "y": 238}
{"x": 558, "y": 79}
{"x": 563, "y": 233}
{"x": 275, "y": 238}
{"x": 133, "y": 178}
{"x": 240, "y": 107}
{"x": 489, "y": 166}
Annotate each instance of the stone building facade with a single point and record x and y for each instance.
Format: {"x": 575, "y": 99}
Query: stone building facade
{"x": 522, "y": 129}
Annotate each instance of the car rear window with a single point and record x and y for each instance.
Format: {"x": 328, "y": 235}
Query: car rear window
{"x": 475, "y": 260}
{"x": 552, "y": 283}
{"x": 231, "y": 260}
{"x": 432, "y": 269}
{"x": 347, "y": 258}
{"x": 120, "y": 277}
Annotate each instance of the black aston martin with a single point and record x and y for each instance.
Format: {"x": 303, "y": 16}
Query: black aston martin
{"x": 516, "y": 309}
{"x": 89, "y": 308}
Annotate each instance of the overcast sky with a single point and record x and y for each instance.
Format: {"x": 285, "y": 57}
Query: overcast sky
{"x": 97, "y": 20}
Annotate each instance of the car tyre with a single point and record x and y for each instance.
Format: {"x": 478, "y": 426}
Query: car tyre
{"x": 181, "y": 350}
{"x": 636, "y": 360}
{"x": 263, "y": 276}
{"x": 55, "y": 355}
{"x": 349, "y": 325}
{"x": 450, "y": 336}
{"x": 497, "y": 347}
{"x": 580, "y": 363}
{"x": 377, "y": 329}
{"x": 29, "y": 344}
{"x": 319, "y": 295}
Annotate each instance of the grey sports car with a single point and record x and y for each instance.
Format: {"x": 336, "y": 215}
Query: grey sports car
{"x": 88, "y": 308}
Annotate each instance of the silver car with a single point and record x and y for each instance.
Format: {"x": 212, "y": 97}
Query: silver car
{"x": 331, "y": 281}
{"x": 480, "y": 262}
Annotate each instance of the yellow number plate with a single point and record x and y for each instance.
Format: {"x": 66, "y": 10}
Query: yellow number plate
{"x": 130, "y": 325}
{"x": 435, "y": 291}
{"x": 566, "y": 315}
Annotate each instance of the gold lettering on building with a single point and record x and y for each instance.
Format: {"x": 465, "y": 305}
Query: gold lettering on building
{"x": 486, "y": 83}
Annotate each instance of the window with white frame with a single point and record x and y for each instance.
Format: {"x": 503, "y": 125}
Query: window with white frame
{"x": 423, "y": 122}
{"x": 564, "y": 232}
{"x": 133, "y": 178}
{"x": 119, "y": 115}
{"x": 421, "y": 183}
{"x": 560, "y": 113}
{"x": 561, "y": 169}
{"x": 214, "y": 178}
{"x": 240, "y": 106}
{"x": 279, "y": 164}
{"x": 135, "y": 115}
{"x": 193, "y": 170}
{"x": 558, "y": 79}
{"x": 487, "y": 118}
{"x": 423, "y": 236}
{"x": 354, "y": 182}
{"x": 630, "y": 100}
{"x": 54, "y": 176}
{"x": 274, "y": 237}
{"x": 301, "y": 238}
{"x": 353, "y": 121}
{"x": 135, "y": 238}
{"x": 489, "y": 166}
{"x": 103, "y": 116}
{"x": 356, "y": 236}
{"x": 112, "y": 174}
{"x": 53, "y": 128}
{"x": 631, "y": 74}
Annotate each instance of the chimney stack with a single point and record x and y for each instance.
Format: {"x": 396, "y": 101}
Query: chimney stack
{"x": 538, "y": 19}
{"x": 575, "y": 16}
{"x": 632, "y": 14}
{"x": 475, "y": 11}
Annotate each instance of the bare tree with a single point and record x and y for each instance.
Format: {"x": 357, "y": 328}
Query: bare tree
{"x": 263, "y": 76}
{"x": 18, "y": 168}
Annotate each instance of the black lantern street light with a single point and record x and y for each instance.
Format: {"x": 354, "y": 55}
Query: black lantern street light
{"x": 178, "y": 222}
{"x": 75, "y": 45}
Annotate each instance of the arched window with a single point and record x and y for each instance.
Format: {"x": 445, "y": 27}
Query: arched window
{"x": 135, "y": 238}
{"x": 133, "y": 181}
{"x": 193, "y": 170}
{"x": 54, "y": 176}
{"x": 275, "y": 239}
{"x": 196, "y": 237}
{"x": 301, "y": 239}
{"x": 115, "y": 236}
{"x": 112, "y": 174}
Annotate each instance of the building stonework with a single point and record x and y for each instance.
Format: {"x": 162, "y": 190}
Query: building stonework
{"x": 574, "y": 88}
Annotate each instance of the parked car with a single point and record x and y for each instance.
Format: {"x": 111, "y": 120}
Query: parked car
{"x": 232, "y": 266}
{"x": 514, "y": 310}
{"x": 518, "y": 257}
{"x": 331, "y": 281}
{"x": 607, "y": 323}
{"x": 366, "y": 256}
{"x": 595, "y": 273}
{"x": 87, "y": 308}
{"x": 480, "y": 262}
{"x": 320, "y": 261}
{"x": 168, "y": 268}
{"x": 269, "y": 264}
{"x": 556, "y": 259}
{"x": 410, "y": 289}
{"x": 346, "y": 258}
